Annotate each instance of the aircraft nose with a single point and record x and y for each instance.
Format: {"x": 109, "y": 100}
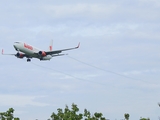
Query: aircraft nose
{"x": 15, "y": 46}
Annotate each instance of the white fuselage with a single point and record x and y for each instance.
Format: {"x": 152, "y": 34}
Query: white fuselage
{"x": 29, "y": 51}
{"x": 26, "y": 48}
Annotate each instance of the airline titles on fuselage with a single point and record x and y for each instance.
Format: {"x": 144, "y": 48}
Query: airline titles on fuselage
{"x": 28, "y": 46}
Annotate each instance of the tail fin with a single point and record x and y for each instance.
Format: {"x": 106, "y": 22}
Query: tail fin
{"x": 2, "y": 51}
{"x": 51, "y": 45}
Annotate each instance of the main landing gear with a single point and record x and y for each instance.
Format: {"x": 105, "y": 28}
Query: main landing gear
{"x": 28, "y": 60}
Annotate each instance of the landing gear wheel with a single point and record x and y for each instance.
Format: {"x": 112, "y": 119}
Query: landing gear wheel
{"x": 28, "y": 60}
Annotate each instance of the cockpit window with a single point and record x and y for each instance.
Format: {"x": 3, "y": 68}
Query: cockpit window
{"x": 16, "y": 42}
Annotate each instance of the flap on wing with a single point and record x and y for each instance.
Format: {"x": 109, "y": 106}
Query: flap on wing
{"x": 53, "y": 52}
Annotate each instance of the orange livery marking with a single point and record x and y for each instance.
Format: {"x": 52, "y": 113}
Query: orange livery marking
{"x": 28, "y": 46}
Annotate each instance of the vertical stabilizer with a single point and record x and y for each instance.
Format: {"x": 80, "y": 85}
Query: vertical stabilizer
{"x": 51, "y": 45}
{"x": 2, "y": 51}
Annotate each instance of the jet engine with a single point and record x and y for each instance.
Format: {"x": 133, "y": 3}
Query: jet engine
{"x": 42, "y": 53}
{"x": 47, "y": 57}
{"x": 19, "y": 55}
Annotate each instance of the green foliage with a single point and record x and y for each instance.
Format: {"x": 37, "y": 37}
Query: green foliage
{"x": 126, "y": 115}
{"x": 8, "y": 115}
{"x": 144, "y": 119}
{"x": 67, "y": 114}
{"x": 16, "y": 119}
{"x": 73, "y": 114}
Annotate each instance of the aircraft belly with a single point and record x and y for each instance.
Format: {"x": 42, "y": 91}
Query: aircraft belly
{"x": 28, "y": 52}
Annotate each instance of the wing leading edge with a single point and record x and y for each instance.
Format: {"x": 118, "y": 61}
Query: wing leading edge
{"x": 59, "y": 51}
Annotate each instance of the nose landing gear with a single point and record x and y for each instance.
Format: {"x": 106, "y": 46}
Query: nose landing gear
{"x": 28, "y": 60}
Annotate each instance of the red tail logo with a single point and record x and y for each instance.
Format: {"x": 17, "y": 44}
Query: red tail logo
{"x": 50, "y": 48}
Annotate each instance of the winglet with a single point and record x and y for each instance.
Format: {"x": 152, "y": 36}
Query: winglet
{"x": 2, "y": 51}
{"x": 78, "y": 45}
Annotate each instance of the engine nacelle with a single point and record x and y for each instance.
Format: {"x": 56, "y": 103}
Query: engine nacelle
{"x": 42, "y": 53}
{"x": 20, "y": 55}
{"x": 47, "y": 57}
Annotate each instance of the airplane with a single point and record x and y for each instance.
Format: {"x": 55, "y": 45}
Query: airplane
{"x": 28, "y": 51}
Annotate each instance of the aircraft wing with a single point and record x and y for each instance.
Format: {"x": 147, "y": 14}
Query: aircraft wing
{"x": 59, "y": 51}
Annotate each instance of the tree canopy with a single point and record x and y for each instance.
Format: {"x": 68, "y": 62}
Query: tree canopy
{"x": 126, "y": 116}
{"x": 8, "y": 115}
{"x": 73, "y": 114}
{"x": 144, "y": 119}
{"x": 66, "y": 114}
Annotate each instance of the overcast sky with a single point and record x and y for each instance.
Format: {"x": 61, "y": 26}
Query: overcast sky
{"x": 115, "y": 71}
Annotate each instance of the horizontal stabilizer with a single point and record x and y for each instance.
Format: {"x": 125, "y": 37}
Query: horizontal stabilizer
{"x": 6, "y": 54}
